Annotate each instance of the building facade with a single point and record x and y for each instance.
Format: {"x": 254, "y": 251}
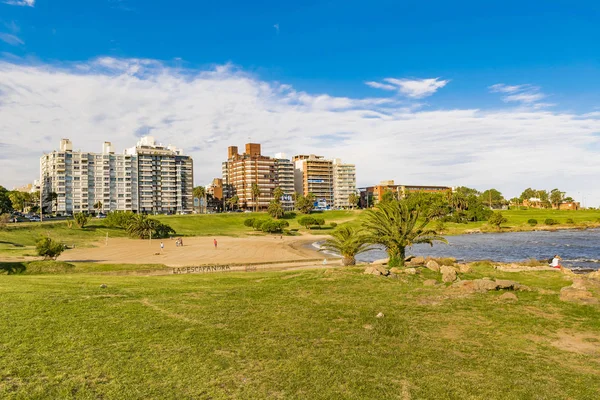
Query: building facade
{"x": 344, "y": 183}
{"x": 242, "y": 172}
{"x": 371, "y": 195}
{"x": 314, "y": 174}
{"x": 76, "y": 181}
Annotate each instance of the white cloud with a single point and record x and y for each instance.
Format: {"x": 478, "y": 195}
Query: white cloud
{"x": 413, "y": 88}
{"x": 28, "y": 3}
{"x": 525, "y": 94}
{"x": 11, "y": 39}
{"x": 206, "y": 111}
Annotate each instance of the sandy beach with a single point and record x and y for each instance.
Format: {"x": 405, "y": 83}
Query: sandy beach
{"x": 197, "y": 251}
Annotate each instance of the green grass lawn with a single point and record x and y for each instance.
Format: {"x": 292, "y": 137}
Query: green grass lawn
{"x": 303, "y": 334}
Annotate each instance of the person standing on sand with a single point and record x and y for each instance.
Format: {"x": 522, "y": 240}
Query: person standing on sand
{"x": 215, "y": 243}
{"x": 162, "y": 246}
{"x": 556, "y": 262}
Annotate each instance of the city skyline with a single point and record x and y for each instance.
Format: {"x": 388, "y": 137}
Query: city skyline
{"x": 463, "y": 95}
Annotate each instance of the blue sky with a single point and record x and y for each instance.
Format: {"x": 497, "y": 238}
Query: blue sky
{"x": 426, "y": 59}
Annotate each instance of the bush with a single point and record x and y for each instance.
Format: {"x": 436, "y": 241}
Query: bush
{"x": 319, "y": 222}
{"x": 118, "y": 219}
{"x": 532, "y": 222}
{"x": 257, "y": 224}
{"x": 48, "y": 248}
{"x": 249, "y": 222}
{"x": 333, "y": 224}
{"x": 497, "y": 219}
{"x": 550, "y": 221}
{"x": 81, "y": 219}
{"x": 307, "y": 221}
{"x": 570, "y": 221}
{"x": 4, "y": 218}
{"x": 273, "y": 226}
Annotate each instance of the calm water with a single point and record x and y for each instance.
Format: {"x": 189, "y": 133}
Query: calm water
{"x": 578, "y": 249}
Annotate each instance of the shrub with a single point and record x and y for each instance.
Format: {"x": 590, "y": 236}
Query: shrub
{"x": 257, "y": 224}
{"x": 118, "y": 219}
{"x": 307, "y": 221}
{"x": 319, "y": 222}
{"x": 497, "y": 219}
{"x": 570, "y": 221}
{"x": 48, "y": 248}
{"x": 274, "y": 226}
{"x": 4, "y": 218}
{"x": 550, "y": 221}
{"x": 532, "y": 222}
{"x": 249, "y": 222}
{"x": 333, "y": 224}
{"x": 81, "y": 219}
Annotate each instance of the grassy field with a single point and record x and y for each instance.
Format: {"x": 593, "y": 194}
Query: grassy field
{"x": 303, "y": 334}
{"x": 19, "y": 240}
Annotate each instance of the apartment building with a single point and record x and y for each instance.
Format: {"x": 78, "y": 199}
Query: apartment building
{"x": 373, "y": 194}
{"x": 105, "y": 181}
{"x": 285, "y": 180}
{"x": 314, "y": 174}
{"x": 242, "y": 171}
{"x": 344, "y": 183}
{"x": 165, "y": 180}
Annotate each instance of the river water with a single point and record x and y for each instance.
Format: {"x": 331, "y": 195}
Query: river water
{"x": 579, "y": 249}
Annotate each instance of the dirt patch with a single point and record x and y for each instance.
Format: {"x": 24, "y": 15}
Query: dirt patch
{"x": 578, "y": 342}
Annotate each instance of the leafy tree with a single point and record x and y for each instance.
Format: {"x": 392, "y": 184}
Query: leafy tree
{"x": 305, "y": 204}
{"x": 255, "y": 195}
{"x": 232, "y": 202}
{"x": 497, "y": 219}
{"x": 568, "y": 199}
{"x": 388, "y": 196}
{"x": 273, "y": 226}
{"x": 275, "y": 209}
{"x": 98, "y": 206}
{"x": 556, "y": 197}
{"x": 249, "y": 222}
{"x": 48, "y": 248}
{"x": 348, "y": 243}
{"x": 466, "y": 192}
{"x": 395, "y": 226}
{"x": 458, "y": 201}
{"x": 4, "y": 218}
{"x": 492, "y": 198}
{"x": 81, "y": 219}
{"x": 142, "y": 227}
{"x": 5, "y": 202}
{"x": 319, "y": 222}
{"x": 353, "y": 200}
{"x": 307, "y": 221}
{"x": 257, "y": 224}
{"x": 118, "y": 219}
{"x": 18, "y": 200}
{"x": 528, "y": 194}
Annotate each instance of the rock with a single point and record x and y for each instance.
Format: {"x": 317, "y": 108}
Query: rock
{"x": 377, "y": 270}
{"x": 417, "y": 261}
{"x": 484, "y": 285}
{"x": 393, "y": 276}
{"x": 448, "y": 273}
{"x": 432, "y": 265}
{"x": 508, "y": 297}
{"x": 396, "y": 270}
{"x": 103, "y": 286}
{"x": 410, "y": 271}
{"x": 383, "y": 261}
{"x": 380, "y": 315}
{"x": 506, "y": 284}
{"x": 464, "y": 268}
{"x": 430, "y": 282}
{"x": 594, "y": 275}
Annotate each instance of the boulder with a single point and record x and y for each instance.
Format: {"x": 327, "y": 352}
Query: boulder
{"x": 396, "y": 270}
{"x": 464, "y": 268}
{"x": 448, "y": 273}
{"x": 377, "y": 270}
{"x": 432, "y": 265}
{"x": 417, "y": 261}
{"x": 380, "y": 315}
{"x": 410, "y": 271}
{"x": 508, "y": 296}
{"x": 430, "y": 282}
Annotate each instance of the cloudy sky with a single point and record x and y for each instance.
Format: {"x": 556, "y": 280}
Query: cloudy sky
{"x": 476, "y": 95}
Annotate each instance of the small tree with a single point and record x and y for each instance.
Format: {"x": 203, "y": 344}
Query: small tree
{"x": 48, "y": 248}
{"x": 275, "y": 209}
{"x": 98, "y": 206}
{"x": 347, "y": 242}
{"x": 305, "y": 204}
{"x": 307, "y": 221}
{"x": 255, "y": 195}
{"x": 353, "y": 200}
{"x": 249, "y": 222}
{"x": 81, "y": 219}
{"x": 4, "y": 218}
{"x": 319, "y": 222}
{"x": 532, "y": 221}
{"x": 497, "y": 219}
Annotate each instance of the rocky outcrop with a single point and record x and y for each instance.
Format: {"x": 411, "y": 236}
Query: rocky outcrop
{"x": 407, "y": 271}
{"x": 448, "y": 273}
{"x": 416, "y": 261}
{"x": 508, "y": 297}
{"x": 520, "y": 268}
{"x": 464, "y": 268}
{"x": 578, "y": 292}
{"x": 433, "y": 265}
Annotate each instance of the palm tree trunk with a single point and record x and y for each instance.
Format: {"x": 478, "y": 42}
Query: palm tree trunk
{"x": 397, "y": 257}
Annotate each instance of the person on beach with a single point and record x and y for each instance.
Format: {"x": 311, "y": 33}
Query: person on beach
{"x": 162, "y": 246}
{"x": 215, "y": 243}
{"x": 556, "y": 262}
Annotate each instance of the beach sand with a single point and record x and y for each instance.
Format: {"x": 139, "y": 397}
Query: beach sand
{"x": 198, "y": 251}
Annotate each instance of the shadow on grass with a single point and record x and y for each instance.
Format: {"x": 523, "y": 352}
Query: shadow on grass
{"x": 11, "y": 243}
{"x": 12, "y": 268}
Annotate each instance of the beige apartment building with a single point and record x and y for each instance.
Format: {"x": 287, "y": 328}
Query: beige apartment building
{"x": 102, "y": 182}
{"x": 314, "y": 174}
{"x": 241, "y": 171}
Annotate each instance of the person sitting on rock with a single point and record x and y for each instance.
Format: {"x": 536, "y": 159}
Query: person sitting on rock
{"x": 556, "y": 262}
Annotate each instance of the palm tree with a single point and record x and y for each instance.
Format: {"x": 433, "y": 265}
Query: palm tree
{"x": 275, "y": 209}
{"x": 353, "y": 199}
{"x": 141, "y": 226}
{"x": 255, "y": 195}
{"x": 233, "y": 202}
{"x": 98, "y": 206}
{"x": 199, "y": 192}
{"x": 348, "y": 243}
{"x": 395, "y": 226}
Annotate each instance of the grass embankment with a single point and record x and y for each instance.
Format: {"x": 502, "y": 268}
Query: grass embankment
{"x": 18, "y": 240}
{"x": 309, "y": 334}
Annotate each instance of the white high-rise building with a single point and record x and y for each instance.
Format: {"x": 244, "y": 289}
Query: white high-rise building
{"x": 76, "y": 181}
{"x": 344, "y": 183}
